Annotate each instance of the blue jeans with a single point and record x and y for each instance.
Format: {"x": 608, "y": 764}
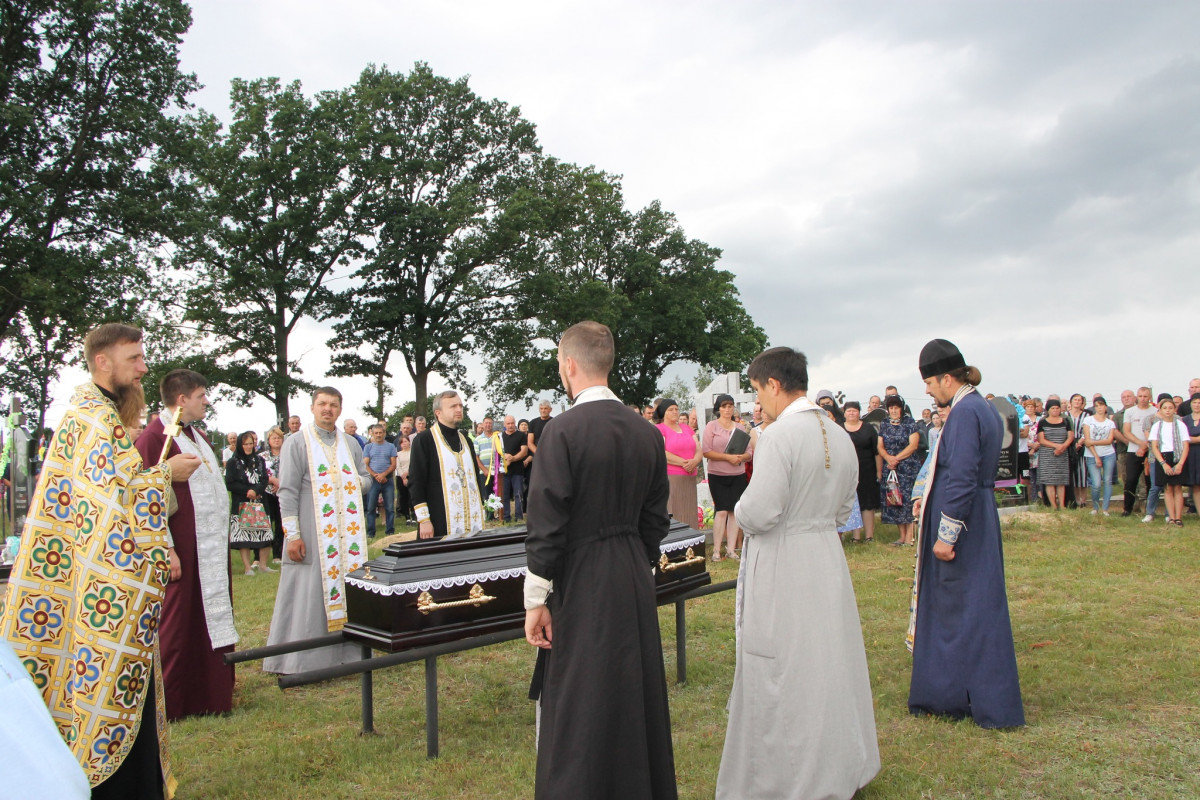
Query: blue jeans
{"x": 1155, "y": 490}
{"x": 388, "y": 487}
{"x": 513, "y": 488}
{"x": 1108, "y": 464}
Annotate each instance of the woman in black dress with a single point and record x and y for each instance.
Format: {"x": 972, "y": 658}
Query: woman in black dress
{"x": 1192, "y": 422}
{"x": 870, "y": 466}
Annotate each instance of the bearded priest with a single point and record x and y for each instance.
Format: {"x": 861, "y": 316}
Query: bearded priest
{"x": 83, "y": 603}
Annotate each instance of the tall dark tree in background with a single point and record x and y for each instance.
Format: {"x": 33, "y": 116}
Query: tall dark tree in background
{"x": 42, "y": 343}
{"x": 83, "y": 91}
{"x": 443, "y": 167}
{"x": 637, "y": 272}
{"x": 268, "y": 217}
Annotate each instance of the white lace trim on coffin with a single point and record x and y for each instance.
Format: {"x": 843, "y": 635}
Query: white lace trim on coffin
{"x": 436, "y": 583}
{"x": 682, "y": 545}
{"x": 481, "y": 577}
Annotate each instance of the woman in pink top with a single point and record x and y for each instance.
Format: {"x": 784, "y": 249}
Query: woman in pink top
{"x": 682, "y": 461}
{"x": 726, "y": 474}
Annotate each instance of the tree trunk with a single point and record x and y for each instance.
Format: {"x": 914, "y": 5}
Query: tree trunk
{"x": 421, "y": 385}
{"x": 379, "y": 395}
{"x": 279, "y": 379}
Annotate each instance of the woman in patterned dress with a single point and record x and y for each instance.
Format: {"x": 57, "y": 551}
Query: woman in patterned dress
{"x": 898, "y": 443}
{"x": 1055, "y": 437}
{"x": 246, "y": 479}
{"x": 1076, "y": 417}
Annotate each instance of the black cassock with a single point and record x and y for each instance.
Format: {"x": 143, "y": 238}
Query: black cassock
{"x": 425, "y": 475}
{"x": 596, "y": 515}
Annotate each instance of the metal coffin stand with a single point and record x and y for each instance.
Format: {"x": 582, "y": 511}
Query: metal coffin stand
{"x": 419, "y": 594}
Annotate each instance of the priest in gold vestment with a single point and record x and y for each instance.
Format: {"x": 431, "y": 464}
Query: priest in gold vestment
{"x": 82, "y": 606}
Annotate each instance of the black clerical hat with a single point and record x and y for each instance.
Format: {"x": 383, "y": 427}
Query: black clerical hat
{"x": 940, "y": 356}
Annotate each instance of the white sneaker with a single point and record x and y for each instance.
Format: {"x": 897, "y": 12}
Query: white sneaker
{"x": 1092, "y": 512}
{"x": 1147, "y": 518}
{"x": 1105, "y": 513}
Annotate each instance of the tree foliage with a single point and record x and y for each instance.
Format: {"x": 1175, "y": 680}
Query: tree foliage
{"x": 267, "y": 217}
{"x": 442, "y": 169}
{"x": 637, "y": 272}
{"x": 677, "y": 389}
{"x": 83, "y": 91}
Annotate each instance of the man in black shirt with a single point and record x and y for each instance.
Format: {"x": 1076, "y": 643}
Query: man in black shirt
{"x": 515, "y": 449}
{"x": 535, "y": 431}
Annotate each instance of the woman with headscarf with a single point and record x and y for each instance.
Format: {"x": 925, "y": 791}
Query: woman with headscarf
{"x": 898, "y": 443}
{"x": 683, "y": 457}
{"x": 246, "y": 478}
{"x": 726, "y": 474}
{"x": 826, "y": 401}
{"x": 1055, "y": 437}
{"x": 870, "y": 466}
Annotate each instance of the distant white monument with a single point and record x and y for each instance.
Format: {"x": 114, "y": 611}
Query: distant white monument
{"x": 731, "y": 384}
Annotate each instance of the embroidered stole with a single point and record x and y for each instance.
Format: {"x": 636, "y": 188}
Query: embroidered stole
{"x": 340, "y": 540}
{"x": 497, "y": 465}
{"x": 910, "y": 635}
{"x": 210, "y": 502}
{"x": 460, "y": 491}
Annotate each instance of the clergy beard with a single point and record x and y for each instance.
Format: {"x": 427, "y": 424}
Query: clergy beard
{"x": 131, "y": 402}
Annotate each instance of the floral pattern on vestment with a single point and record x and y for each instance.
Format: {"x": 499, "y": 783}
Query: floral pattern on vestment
{"x": 83, "y": 602}
{"x": 341, "y": 541}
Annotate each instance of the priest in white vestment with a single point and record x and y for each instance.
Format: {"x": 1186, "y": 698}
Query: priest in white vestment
{"x": 801, "y": 721}
{"x": 321, "y": 474}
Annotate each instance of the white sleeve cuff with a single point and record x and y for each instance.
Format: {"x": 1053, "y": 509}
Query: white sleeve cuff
{"x": 422, "y": 512}
{"x": 949, "y": 529}
{"x": 291, "y": 528}
{"x": 537, "y": 589}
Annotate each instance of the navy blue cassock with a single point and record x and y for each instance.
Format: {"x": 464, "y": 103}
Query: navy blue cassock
{"x": 964, "y": 662}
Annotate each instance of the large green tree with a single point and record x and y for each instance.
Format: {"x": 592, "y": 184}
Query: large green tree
{"x": 659, "y": 291}
{"x": 43, "y": 342}
{"x": 442, "y": 168}
{"x": 84, "y": 91}
{"x": 267, "y": 218}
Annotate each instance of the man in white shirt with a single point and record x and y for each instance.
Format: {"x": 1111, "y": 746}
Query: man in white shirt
{"x": 1133, "y": 428}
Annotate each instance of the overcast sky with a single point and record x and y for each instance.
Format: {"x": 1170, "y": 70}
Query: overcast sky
{"x": 1018, "y": 177}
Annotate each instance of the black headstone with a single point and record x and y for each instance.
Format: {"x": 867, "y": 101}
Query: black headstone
{"x": 1007, "y": 471}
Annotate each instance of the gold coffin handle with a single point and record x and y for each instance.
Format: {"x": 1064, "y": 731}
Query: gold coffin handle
{"x": 690, "y": 557}
{"x": 476, "y": 597}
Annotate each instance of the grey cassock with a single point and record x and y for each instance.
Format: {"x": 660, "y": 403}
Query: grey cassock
{"x": 299, "y": 607}
{"x": 801, "y": 720}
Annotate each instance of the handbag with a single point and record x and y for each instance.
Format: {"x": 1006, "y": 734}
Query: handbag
{"x": 893, "y": 495}
{"x": 252, "y": 516}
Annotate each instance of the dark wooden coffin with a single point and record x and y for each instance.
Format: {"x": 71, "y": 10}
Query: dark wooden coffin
{"x": 424, "y": 593}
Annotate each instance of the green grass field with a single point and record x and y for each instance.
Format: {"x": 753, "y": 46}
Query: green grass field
{"x": 1107, "y": 629}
